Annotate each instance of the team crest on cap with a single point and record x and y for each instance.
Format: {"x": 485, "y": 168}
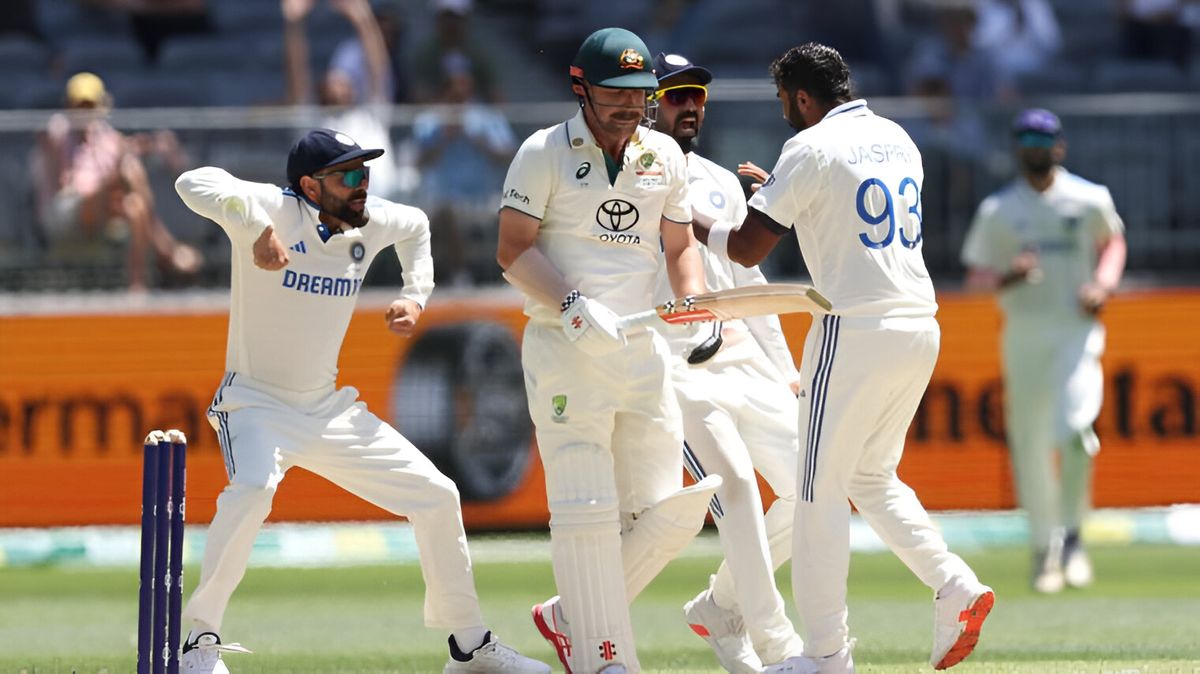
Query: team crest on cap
{"x": 632, "y": 60}
{"x": 344, "y": 139}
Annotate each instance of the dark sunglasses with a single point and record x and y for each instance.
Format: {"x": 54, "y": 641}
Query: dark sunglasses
{"x": 683, "y": 93}
{"x": 1036, "y": 139}
{"x": 350, "y": 178}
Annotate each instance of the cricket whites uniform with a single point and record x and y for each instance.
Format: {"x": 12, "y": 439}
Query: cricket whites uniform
{"x": 1052, "y": 377}
{"x": 739, "y": 414}
{"x": 608, "y": 429}
{"x": 278, "y": 405}
{"x": 851, "y": 187}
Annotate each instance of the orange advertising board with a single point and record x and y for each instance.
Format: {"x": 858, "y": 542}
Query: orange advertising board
{"x": 79, "y": 392}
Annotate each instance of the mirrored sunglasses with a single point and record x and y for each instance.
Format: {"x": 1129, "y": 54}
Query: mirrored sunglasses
{"x": 1036, "y": 139}
{"x": 350, "y": 178}
{"x": 683, "y": 93}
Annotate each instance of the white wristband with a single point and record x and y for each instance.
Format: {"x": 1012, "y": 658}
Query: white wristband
{"x": 718, "y": 238}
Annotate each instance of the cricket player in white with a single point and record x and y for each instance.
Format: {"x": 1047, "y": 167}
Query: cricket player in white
{"x": 1053, "y": 245}
{"x": 584, "y": 206}
{"x": 739, "y": 413}
{"x": 299, "y": 256}
{"x": 849, "y": 182}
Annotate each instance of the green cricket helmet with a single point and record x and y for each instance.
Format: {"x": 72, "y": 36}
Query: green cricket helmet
{"x": 614, "y": 57}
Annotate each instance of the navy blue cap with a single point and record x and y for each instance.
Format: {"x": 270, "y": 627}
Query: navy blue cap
{"x": 1037, "y": 120}
{"x": 322, "y": 148}
{"x": 669, "y": 65}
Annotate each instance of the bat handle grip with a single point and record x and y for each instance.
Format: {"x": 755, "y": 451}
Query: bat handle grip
{"x": 637, "y": 322}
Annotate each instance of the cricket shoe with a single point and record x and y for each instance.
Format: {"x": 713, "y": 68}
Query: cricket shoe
{"x": 724, "y": 631}
{"x": 1048, "y": 576}
{"x": 493, "y": 657}
{"x": 549, "y": 621}
{"x": 1077, "y": 568}
{"x": 202, "y": 655}
{"x": 799, "y": 664}
{"x": 841, "y": 662}
{"x": 959, "y": 610}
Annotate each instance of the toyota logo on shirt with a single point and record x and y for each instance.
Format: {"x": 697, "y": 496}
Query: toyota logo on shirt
{"x": 616, "y": 215}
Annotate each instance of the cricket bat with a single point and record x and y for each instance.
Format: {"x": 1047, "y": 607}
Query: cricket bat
{"x": 727, "y": 305}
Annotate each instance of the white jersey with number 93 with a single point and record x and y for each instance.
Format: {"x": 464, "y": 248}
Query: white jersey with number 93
{"x": 851, "y": 187}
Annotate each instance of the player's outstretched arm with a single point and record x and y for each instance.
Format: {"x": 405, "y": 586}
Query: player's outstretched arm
{"x": 747, "y": 243}
{"x": 233, "y": 204}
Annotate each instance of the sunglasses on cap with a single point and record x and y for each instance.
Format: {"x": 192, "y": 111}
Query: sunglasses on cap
{"x": 350, "y": 178}
{"x": 678, "y": 95}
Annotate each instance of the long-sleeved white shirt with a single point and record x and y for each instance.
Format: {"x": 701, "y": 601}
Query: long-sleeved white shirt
{"x": 286, "y": 327}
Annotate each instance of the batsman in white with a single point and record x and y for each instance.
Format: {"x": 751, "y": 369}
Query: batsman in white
{"x": 584, "y": 206}
{"x": 739, "y": 413}
{"x": 849, "y": 182}
{"x": 299, "y": 257}
{"x": 1053, "y": 246}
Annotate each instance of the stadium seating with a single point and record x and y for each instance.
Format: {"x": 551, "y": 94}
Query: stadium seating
{"x": 19, "y": 53}
{"x": 1056, "y": 78}
{"x": 104, "y": 56}
{"x": 1138, "y": 76}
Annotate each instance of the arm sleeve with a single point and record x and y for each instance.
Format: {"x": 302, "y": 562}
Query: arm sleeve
{"x": 792, "y": 185}
{"x": 1106, "y": 223}
{"x": 677, "y": 207}
{"x": 241, "y": 208}
{"x": 767, "y": 330}
{"x": 412, "y": 249}
{"x": 530, "y": 178}
{"x": 980, "y": 247}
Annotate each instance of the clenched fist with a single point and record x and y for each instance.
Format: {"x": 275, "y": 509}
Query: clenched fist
{"x": 269, "y": 251}
{"x": 402, "y": 317}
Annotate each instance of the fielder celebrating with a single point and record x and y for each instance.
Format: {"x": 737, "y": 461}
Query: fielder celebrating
{"x": 584, "y": 206}
{"x": 1052, "y": 244}
{"x": 849, "y": 182}
{"x": 739, "y": 414}
{"x": 299, "y": 257}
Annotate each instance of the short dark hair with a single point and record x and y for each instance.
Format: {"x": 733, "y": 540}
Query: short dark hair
{"x": 817, "y": 69}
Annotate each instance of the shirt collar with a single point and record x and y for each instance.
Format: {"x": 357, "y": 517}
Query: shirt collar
{"x": 578, "y": 134}
{"x": 858, "y": 105}
{"x": 314, "y": 212}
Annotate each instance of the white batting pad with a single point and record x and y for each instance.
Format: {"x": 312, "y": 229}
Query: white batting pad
{"x": 585, "y": 547}
{"x": 659, "y": 533}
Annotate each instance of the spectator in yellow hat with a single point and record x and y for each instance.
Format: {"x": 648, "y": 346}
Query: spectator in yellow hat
{"x": 94, "y": 196}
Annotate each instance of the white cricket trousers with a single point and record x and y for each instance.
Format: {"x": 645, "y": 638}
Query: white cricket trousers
{"x": 863, "y": 379}
{"x": 1053, "y": 388}
{"x": 608, "y": 432}
{"x": 331, "y": 434}
{"x": 738, "y": 416}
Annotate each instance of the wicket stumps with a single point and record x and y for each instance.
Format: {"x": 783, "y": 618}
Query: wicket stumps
{"x": 160, "y": 593}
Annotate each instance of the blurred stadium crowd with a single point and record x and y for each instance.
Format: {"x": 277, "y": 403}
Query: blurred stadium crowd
{"x": 451, "y": 87}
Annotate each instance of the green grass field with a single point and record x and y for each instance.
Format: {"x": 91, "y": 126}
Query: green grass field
{"x": 1143, "y": 616}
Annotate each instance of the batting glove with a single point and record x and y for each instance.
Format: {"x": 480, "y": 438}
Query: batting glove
{"x": 591, "y": 326}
